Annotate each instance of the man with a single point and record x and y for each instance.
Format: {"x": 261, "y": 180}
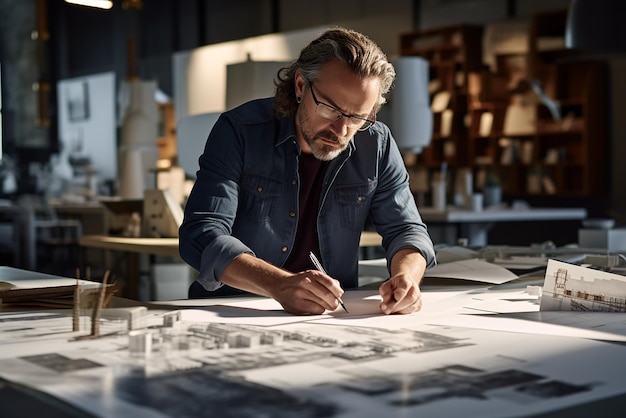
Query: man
{"x": 303, "y": 172}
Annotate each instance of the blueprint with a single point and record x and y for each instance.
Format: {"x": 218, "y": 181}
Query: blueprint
{"x": 223, "y": 361}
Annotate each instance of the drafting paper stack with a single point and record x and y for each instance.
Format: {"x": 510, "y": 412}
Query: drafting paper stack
{"x": 50, "y": 296}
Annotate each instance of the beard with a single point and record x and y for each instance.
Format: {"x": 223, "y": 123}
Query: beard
{"x": 315, "y": 141}
{"x": 324, "y": 152}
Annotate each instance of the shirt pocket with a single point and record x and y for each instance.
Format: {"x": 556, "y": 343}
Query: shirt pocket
{"x": 354, "y": 203}
{"x": 260, "y": 194}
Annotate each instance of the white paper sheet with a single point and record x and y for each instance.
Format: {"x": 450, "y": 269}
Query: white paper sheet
{"x": 472, "y": 270}
{"x": 500, "y": 323}
{"x": 268, "y": 312}
{"x": 612, "y": 323}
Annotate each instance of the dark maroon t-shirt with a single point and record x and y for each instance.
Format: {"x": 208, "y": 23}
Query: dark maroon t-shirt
{"x": 311, "y": 172}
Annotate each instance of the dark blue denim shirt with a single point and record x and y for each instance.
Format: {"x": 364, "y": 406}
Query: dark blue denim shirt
{"x": 245, "y": 198}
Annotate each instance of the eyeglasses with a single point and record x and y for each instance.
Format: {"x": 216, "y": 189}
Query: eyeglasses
{"x": 331, "y": 113}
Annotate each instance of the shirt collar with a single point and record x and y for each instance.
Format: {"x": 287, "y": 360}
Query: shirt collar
{"x": 286, "y": 130}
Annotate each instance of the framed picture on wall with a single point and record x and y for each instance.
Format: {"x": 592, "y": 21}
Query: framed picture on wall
{"x": 87, "y": 127}
{"x": 77, "y": 101}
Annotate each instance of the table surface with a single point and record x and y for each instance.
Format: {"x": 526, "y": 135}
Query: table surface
{"x": 453, "y": 214}
{"x": 169, "y": 246}
{"x": 334, "y": 365}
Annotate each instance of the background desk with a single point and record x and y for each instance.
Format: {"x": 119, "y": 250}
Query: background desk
{"x": 133, "y": 248}
{"x": 169, "y": 246}
{"x": 446, "y": 227}
{"x": 166, "y": 247}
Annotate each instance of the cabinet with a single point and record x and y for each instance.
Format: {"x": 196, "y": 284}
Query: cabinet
{"x": 536, "y": 123}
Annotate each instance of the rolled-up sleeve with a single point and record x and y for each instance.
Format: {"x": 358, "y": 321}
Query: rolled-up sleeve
{"x": 205, "y": 235}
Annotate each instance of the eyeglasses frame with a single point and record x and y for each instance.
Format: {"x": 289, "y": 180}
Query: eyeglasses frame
{"x": 366, "y": 122}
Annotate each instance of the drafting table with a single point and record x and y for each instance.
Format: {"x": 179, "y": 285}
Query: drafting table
{"x": 332, "y": 365}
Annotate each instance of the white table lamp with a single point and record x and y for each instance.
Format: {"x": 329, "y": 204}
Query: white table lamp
{"x": 411, "y": 118}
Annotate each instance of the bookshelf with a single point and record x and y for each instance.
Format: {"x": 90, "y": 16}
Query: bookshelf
{"x": 452, "y": 52}
{"x": 537, "y": 122}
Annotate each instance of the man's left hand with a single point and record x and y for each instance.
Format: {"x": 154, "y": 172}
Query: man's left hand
{"x": 401, "y": 295}
{"x": 401, "y": 292}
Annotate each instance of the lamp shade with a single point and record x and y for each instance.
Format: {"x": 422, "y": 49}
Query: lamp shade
{"x": 100, "y": 4}
{"x": 411, "y": 118}
{"x": 596, "y": 25}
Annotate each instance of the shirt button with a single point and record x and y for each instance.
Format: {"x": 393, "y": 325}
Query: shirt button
{"x": 359, "y": 199}
{"x": 284, "y": 248}
{"x": 259, "y": 189}
{"x": 292, "y": 214}
{"x": 294, "y": 182}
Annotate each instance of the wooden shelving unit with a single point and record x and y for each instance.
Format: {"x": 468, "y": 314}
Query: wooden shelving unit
{"x": 505, "y": 125}
{"x": 453, "y": 52}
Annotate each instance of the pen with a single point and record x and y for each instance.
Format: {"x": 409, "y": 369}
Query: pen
{"x": 319, "y": 266}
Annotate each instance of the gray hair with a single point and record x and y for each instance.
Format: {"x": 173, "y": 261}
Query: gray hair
{"x": 358, "y": 52}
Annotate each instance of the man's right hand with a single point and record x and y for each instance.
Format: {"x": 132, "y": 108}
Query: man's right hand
{"x": 309, "y": 292}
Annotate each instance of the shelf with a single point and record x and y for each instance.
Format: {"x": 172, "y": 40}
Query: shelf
{"x": 568, "y": 155}
{"x": 452, "y": 51}
{"x": 444, "y": 47}
{"x": 536, "y": 154}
